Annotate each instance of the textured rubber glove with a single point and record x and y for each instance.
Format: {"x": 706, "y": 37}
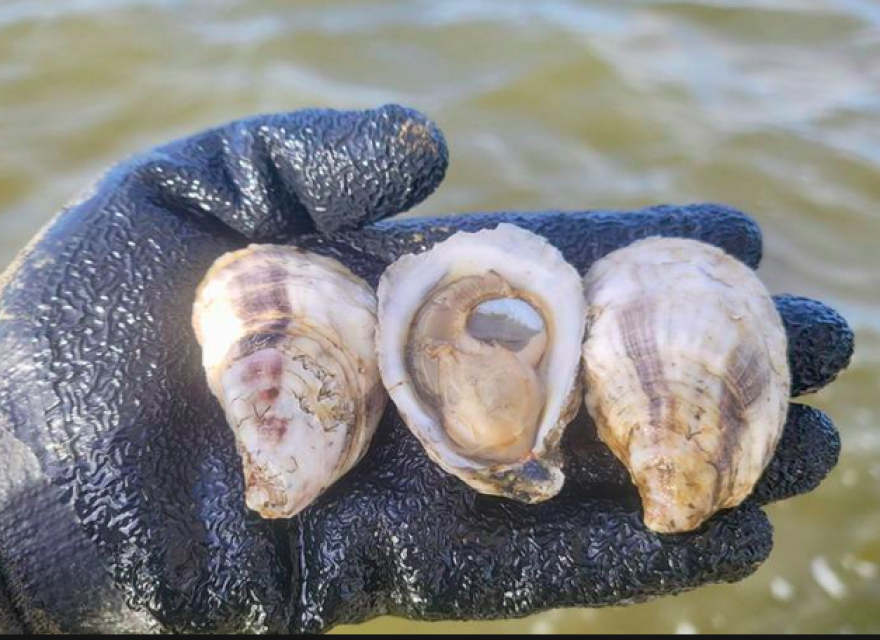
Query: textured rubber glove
{"x": 121, "y": 493}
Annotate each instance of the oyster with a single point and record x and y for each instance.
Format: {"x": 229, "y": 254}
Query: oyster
{"x": 687, "y": 376}
{"x": 479, "y": 347}
{"x": 288, "y": 348}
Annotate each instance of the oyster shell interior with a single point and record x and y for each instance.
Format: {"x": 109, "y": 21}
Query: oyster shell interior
{"x": 478, "y": 347}
{"x": 474, "y": 355}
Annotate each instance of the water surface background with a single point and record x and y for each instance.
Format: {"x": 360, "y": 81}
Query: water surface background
{"x": 770, "y": 105}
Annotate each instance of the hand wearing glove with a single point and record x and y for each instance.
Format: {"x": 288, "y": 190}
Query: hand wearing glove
{"x": 121, "y": 492}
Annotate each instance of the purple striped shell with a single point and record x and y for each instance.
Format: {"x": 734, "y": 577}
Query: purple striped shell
{"x": 288, "y": 348}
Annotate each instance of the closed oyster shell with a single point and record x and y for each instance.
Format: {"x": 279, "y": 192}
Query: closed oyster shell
{"x": 479, "y": 347}
{"x": 288, "y": 349}
{"x": 686, "y": 374}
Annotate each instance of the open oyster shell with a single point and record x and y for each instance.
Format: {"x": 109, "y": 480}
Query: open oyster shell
{"x": 288, "y": 348}
{"x": 479, "y": 347}
{"x": 686, "y": 374}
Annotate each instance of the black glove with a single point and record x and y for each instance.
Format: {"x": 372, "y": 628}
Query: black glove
{"x": 121, "y": 494}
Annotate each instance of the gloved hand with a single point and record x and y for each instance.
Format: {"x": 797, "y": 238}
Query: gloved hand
{"x": 121, "y": 495}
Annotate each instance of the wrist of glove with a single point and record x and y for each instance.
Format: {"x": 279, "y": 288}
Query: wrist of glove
{"x": 121, "y": 496}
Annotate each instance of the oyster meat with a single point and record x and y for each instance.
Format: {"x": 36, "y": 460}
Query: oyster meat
{"x": 479, "y": 347}
{"x": 288, "y": 340}
{"x": 686, "y": 375}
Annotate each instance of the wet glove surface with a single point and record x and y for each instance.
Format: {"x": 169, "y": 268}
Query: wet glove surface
{"x": 121, "y": 496}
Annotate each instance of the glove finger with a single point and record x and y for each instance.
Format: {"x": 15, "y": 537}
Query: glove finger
{"x": 820, "y": 342}
{"x": 807, "y": 453}
{"x": 583, "y": 237}
{"x": 272, "y": 177}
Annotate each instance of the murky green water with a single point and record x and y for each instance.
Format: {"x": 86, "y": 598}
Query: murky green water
{"x": 770, "y": 105}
